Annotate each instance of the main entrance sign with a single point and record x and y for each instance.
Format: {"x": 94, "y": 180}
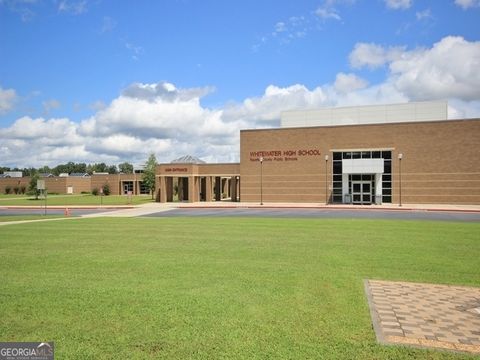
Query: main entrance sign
{"x": 283, "y": 155}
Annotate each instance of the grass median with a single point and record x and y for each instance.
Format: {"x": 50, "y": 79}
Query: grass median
{"x": 9, "y": 218}
{"x": 219, "y": 288}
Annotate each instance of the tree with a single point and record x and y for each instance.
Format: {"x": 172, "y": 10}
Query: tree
{"x": 148, "y": 176}
{"x": 45, "y": 170}
{"x": 112, "y": 169}
{"x": 126, "y": 168}
{"x": 106, "y": 190}
{"x": 32, "y": 187}
{"x": 100, "y": 167}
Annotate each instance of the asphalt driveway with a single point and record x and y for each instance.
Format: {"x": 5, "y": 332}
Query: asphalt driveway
{"x": 320, "y": 213}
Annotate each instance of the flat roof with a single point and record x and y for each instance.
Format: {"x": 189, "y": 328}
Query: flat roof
{"x": 368, "y": 114}
{"x": 372, "y": 124}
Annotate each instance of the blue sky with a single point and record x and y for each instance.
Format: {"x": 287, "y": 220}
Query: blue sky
{"x": 100, "y": 80}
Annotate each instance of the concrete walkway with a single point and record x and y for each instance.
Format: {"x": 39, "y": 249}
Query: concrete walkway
{"x": 138, "y": 210}
{"x": 425, "y": 315}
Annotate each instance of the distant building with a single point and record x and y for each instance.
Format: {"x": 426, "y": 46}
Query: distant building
{"x": 12, "y": 174}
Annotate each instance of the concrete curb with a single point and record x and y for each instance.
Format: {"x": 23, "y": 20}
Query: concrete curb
{"x": 330, "y": 208}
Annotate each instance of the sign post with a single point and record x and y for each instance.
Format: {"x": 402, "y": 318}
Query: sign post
{"x": 41, "y": 186}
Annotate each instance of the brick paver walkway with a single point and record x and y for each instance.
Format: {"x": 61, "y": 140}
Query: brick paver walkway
{"x": 426, "y": 315}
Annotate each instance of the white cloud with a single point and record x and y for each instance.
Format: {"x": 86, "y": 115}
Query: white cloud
{"x": 135, "y": 50}
{"x": 466, "y": 4}
{"x": 21, "y": 7}
{"x": 97, "y": 105}
{"x": 265, "y": 110}
{"x": 423, "y": 15}
{"x": 280, "y": 27}
{"x": 345, "y": 83}
{"x": 373, "y": 55}
{"x": 8, "y": 97}
{"x": 447, "y": 70}
{"x": 398, "y": 4}
{"x": 328, "y": 9}
{"x": 73, "y": 7}
{"x": 50, "y": 105}
{"x": 326, "y": 12}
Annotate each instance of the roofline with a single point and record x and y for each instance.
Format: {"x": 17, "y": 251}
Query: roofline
{"x": 372, "y": 124}
{"x": 444, "y": 101}
{"x": 202, "y": 164}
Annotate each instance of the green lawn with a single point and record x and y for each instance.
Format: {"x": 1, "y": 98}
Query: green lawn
{"x": 27, "y": 217}
{"x": 86, "y": 199}
{"x": 213, "y": 288}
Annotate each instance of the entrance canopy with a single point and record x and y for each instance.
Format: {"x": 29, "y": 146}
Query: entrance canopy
{"x": 362, "y": 166}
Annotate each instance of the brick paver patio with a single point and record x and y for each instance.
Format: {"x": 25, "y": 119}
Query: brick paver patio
{"x": 425, "y": 315}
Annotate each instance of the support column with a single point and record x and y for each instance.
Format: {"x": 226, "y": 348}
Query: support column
{"x": 218, "y": 188}
{"x": 169, "y": 189}
{"x": 208, "y": 188}
{"x": 233, "y": 188}
{"x": 162, "y": 189}
{"x": 378, "y": 187}
{"x": 344, "y": 186}
{"x": 192, "y": 189}
{"x": 238, "y": 189}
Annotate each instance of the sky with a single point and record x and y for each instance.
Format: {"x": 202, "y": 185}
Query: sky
{"x": 113, "y": 81}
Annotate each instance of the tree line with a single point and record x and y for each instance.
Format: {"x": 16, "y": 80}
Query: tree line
{"x": 148, "y": 176}
{"x": 72, "y": 167}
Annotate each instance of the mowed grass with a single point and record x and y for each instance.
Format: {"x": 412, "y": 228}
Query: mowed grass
{"x": 8, "y": 218}
{"x": 71, "y": 200}
{"x": 213, "y": 288}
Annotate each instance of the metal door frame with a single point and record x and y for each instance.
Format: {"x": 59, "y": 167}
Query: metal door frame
{"x": 361, "y": 193}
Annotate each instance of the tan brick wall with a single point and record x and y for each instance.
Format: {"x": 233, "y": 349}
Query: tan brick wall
{"x": 13, "y": 182}
{"x": 113, "y": 181}
{"x": 56, "y": 185}
{"x": 79, "y": 184}
{"x": 440, "y": 160}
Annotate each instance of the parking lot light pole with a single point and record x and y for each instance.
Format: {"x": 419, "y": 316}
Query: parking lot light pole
{"x": 326, "y": 179}
{"x": 400, "y": 157}
{"x": 261, "y": 181}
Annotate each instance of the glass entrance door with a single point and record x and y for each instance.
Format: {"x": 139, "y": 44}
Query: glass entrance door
{"x": 362, "y": 192}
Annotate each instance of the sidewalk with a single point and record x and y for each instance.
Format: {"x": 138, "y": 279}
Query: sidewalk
{"x": 383, "y": 207}
{"x": 124, "y": 210}
{"x": 132, "y": 211}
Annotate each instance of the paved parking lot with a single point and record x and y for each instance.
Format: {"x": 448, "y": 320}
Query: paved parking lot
{"x": 319, "y": 213}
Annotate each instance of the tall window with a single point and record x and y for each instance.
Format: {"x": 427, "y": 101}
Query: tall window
{"x": 337, "y": 177}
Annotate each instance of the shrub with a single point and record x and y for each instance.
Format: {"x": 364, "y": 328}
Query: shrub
{"x": 23, "y": 189}
{"x": 95, "y": 191}
{"x": 8, "y": 189}
{"x": 16, "y": 189}
{"x": 106, "y": 190}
